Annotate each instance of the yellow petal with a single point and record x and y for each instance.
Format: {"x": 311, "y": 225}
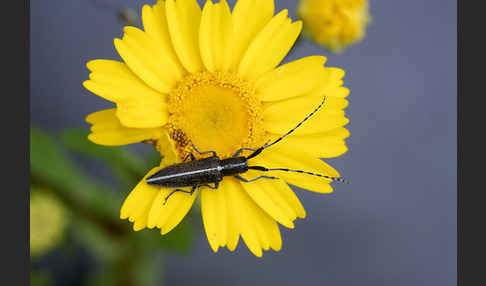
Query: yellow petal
{"x": 111, "y": 67}
{"x": 157, "y": 208}
{"x": 296, "y": 78}
{"x": 210, "y": 214}
{"x": 215, "y": 215}
{"x": 138, "y": 60}
{"x": 334, "y": 74}
{"x": 244, "y": 30}
{"x": 313, "y": 184}
{"x": 270, "y": 227}
{"x": 280, "y": 192}
{"x": 162, "y": 62}
{"x": 142, "y": 113}
{"x": 260, "y": 231}
{"x": 167, "y": 216}
{"x": 233, "y": 227}
{"x": 206, "y": 35}
{"x": 256, "y": 190}
{"x": 154, "y": 21}
{"x": 302, "y": 161}
{"x": 167, "y": 149}
{"x": 243, "y": 207}
{"x": 323, "y": 145}
{"x": 332, "y": 83}
{"x": 183, "y": 18}
{"x": 177, "y": 214}
{"x": 130, "y": 106}
{"x": 256, "y": 223}
{"x": 284, "y": 157}
{"x": 303, "y": 106}
{"x": 222, "y": 217}
{"x": 280, "y": 117}
{"x": 214, "y": 35}
{"x": 138, "y": 203}
{"x": 288, "y": 195}
{"x": 130, "y": 204}
{"x": 339, "y": 91}
{"x": 160, "y": 213}
{"x": 107, "y": 130}
{"x": 257, "y": 45}
{"x": 114, "y": 81}
{"x": 316, "y": 124}
{"x": 270, "y": 46}
{"x": 275, "y": 194}
{"x": 250, "y": 238}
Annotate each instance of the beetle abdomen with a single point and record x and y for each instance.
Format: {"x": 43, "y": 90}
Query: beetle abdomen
{"x": 192, "y": 173}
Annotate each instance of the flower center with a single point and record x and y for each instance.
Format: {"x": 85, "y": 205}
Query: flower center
{"x": 217, "y": 112}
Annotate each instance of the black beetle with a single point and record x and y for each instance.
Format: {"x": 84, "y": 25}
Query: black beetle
{"x": 202, "y": 172}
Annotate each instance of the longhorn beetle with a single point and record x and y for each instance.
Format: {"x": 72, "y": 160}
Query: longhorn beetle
{"x": 202, "y": 172}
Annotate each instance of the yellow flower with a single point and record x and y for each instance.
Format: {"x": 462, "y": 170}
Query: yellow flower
{"x": 335, "y": 24}
{"x": 47, "y": 223}
{"x": 210, "y": 78}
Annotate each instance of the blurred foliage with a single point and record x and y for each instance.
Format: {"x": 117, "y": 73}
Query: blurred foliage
{"x": 123, "y": 257}
{"x": 126, "y": 166}
{"x": 40, "y": 278}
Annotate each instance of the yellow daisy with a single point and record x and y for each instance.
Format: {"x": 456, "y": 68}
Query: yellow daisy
{"x": 210, "y": 79}
{"x": 334, "y": 24}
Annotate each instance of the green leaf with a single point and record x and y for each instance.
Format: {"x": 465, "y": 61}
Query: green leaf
{"x": 149, "y": 269}
{"x": 104, "y": 248}
{"x": 50, "y": 167}
{"x": 124, "y": 163}
{"x": 137, "y": 268}
{"x": 40, "y": 278}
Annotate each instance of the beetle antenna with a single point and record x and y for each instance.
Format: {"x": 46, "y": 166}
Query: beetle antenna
{"x": 260, "y": 168}
{"x": 259, "y": 150}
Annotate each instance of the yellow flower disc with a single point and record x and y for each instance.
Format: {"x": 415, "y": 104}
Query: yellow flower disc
{"x": 215, "y": 111}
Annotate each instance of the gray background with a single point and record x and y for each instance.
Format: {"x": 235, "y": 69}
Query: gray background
{"x": 394, "y": 225}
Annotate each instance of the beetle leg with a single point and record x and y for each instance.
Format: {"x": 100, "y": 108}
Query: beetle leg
{"x": 182, "y": 191}
{"x": 190, "y": 155}
{"x": 254, "y": 179}
{"x": 216, "y": 186}
{"x": 205, "y": 152}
